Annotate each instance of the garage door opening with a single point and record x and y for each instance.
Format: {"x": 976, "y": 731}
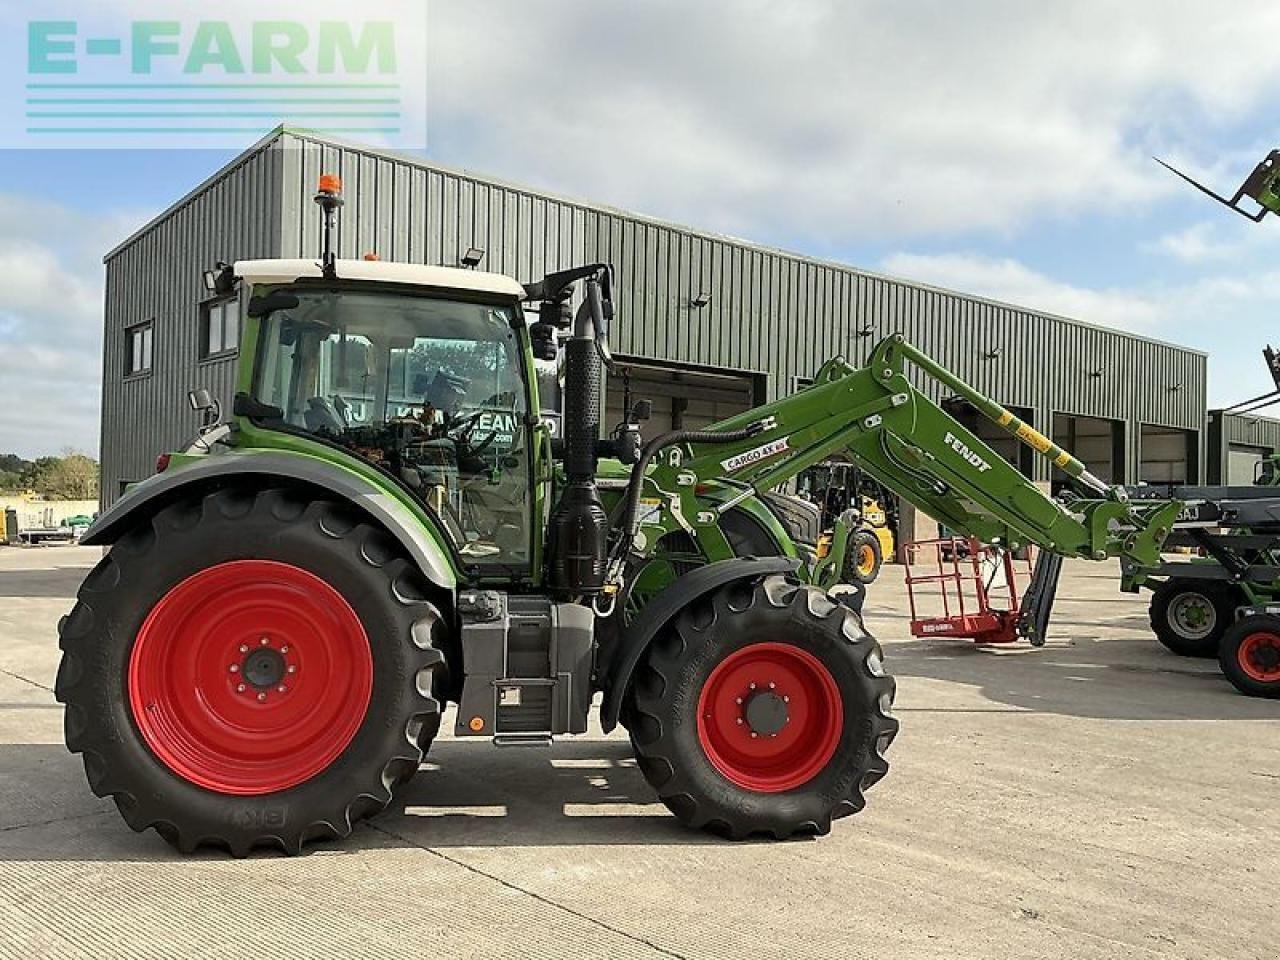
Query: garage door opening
{"x": 684, "y": 397}
{"x": 1097, "y": 442}
{"x": 1167, "y": 455}
{"x": 1020, "y": 455}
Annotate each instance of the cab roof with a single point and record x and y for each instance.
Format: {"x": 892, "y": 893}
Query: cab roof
{"x": 380, "y": 271}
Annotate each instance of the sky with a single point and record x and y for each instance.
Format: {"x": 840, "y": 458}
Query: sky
{"x": 998, "y": 148}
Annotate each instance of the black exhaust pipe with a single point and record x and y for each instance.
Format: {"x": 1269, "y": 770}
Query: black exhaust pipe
{"x": 577, "y": 538}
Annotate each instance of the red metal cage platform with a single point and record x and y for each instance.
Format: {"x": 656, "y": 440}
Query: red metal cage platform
{"x": 976, "y": 594}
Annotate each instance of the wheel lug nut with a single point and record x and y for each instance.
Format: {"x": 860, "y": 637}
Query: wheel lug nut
{"x": 739, "y": 721}
{"x": 753, "y": 686}
{"x": 284, "y": 649}
{"x": 243, "y": 648}
{"x": 739, "y": 700}
{"x": 264, "y": 641}
{"x": 292, "y": 668}
{"x": 754, "y": 735}
{"x": 240, "y": 688}
{"x": 786, "y": 699}
{"x": 262, "y": 697}
{"x": 281, "y": 689}
{"x": 772, "y": 684}
{"x": 235, "y": 668}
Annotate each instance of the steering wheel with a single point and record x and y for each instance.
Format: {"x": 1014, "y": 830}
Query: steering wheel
{"x": 460, "y": 433}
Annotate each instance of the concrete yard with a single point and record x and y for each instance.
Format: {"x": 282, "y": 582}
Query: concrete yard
{"x": 1097, "y": 798}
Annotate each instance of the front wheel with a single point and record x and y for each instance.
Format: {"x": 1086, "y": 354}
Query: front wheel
{"x": 251, "y": 668}
{"x": 863, "y": 558}
{"x": 1249, "y": 654}
{"x": 763, "y": 709}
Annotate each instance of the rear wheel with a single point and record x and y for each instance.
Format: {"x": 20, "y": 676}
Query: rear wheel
{"x": 763, "y": 709}
{"x": 253, "y": 668}
{"x": 1189, "y": 616}
{"x": 1249, "y": 654}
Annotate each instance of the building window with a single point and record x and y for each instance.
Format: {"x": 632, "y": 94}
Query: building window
{"x": 137, "y": 349}
{"x": 219, "y": 328}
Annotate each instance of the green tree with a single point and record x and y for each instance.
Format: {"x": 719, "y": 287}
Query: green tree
{"x": 70, "y": 477}
{"x": 12, "y": 463}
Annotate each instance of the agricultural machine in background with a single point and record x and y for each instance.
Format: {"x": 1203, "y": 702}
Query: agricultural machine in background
{"x": 387, "y": 525}
{"x": 1225, "y": 603}
{"x": 855, "y": 518}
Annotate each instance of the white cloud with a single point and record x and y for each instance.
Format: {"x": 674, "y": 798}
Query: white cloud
{"x": 1228, "y": 314}
{"x": 50, "y": 325}
{"x": 1194, "y": 244}
{"x": 1228, "y": 239}
{"x": 842, "y": 120}
{"x": 1014, "y": 282}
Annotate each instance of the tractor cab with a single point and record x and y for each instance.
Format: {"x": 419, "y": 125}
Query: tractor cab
{"x": 418, "y": 371}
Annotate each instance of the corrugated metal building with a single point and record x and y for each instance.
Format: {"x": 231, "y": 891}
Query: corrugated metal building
{"x": 1237, "y": 444}
{"x": 707, "y": 324}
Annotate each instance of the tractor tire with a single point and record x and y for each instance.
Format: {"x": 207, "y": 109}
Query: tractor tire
{"x": 863, "y": 558}
{"x": 1189, "y": 616}
{"x": 1249, "y": 654}
{"x": 253, "y": 668}
{"x": 762, "y": 709}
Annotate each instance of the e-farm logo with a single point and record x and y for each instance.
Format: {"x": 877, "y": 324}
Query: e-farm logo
{"x": 179, "y": 74}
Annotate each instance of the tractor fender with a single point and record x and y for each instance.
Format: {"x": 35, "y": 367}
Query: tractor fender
{"x": 663, "y": 608}
{"x": 162, "y": 489}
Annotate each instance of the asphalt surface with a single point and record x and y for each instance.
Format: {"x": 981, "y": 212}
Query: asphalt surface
{"x": 1096, "y": 798}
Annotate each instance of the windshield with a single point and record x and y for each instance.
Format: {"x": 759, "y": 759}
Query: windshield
{"x": 430, "y": 390}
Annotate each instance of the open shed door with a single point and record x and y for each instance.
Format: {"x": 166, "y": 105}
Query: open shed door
{"x": 683, "y": 398}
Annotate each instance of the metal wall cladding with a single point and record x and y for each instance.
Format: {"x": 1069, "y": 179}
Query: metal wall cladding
{"x": 768, "y": 312}
{"x": 1250, "y": 430}
{"x": 157, "y": 275}
{"x": 1244, "y": 429}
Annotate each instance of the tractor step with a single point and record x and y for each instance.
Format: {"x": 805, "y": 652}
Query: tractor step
{"x": 522, "y": 740}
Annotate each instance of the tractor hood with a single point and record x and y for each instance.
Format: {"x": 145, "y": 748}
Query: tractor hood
{"x": 258, "y": 272}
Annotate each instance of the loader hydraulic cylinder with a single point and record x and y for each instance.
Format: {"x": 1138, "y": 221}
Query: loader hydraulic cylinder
{"x": 1005, "y": 420}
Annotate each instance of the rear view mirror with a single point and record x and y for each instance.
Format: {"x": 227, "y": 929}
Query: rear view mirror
{"x": 207, "y": 405}
{"x": 200, "y": 399}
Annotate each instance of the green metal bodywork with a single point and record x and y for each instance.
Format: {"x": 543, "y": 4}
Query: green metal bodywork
{"x": 872, "y": 414}
{"x": 912, "y": 446}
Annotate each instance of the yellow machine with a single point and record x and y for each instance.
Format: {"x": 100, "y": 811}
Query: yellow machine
{"x": 843, "y": 493}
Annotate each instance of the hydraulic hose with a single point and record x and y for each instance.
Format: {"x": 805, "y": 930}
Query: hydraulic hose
{"x": 631, "y": 509}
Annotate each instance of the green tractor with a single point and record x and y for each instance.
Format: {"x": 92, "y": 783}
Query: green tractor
{"x": 389, "y": 524}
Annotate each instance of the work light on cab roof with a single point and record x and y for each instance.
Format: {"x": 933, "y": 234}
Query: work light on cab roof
{"x": 330, "y": 199}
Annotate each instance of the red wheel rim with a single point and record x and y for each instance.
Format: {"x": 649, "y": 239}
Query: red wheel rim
{"x": 1259, "y": 657}
{"x": 250, "y": 677}
{"x": 788, "y": 699}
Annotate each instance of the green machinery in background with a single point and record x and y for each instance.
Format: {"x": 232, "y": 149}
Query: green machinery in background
{"x": 1225, "y": 602}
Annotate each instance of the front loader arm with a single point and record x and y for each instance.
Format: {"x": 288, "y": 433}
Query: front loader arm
{"x": 916, "y": 449}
